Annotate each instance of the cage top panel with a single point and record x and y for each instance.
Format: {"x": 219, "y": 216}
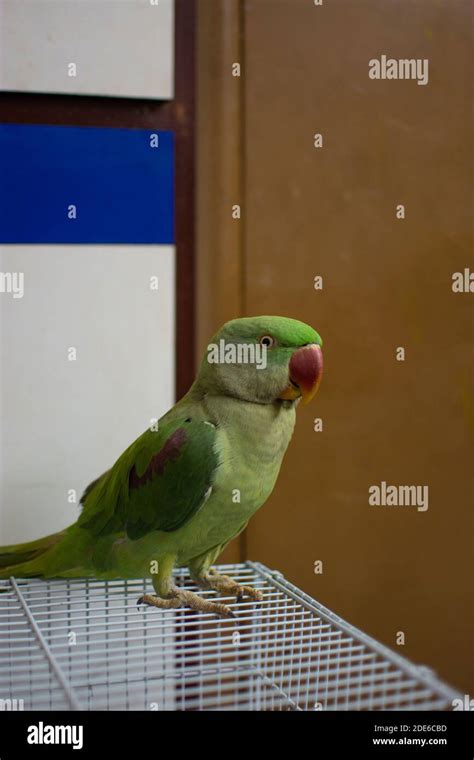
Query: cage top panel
{"x": 84, "y": 644}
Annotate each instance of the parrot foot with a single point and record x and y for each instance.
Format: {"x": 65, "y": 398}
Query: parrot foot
{"x": 182, "y": 598}
{"x": 223, "y": 584}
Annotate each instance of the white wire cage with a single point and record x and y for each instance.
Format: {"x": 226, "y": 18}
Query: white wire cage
{"x": 84, "y": 644}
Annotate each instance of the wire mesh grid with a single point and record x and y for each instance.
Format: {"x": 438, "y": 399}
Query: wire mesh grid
{"x": 84, "y": 644}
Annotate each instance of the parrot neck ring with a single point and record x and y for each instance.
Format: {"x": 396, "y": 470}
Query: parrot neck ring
{"x": 304, "y": 373}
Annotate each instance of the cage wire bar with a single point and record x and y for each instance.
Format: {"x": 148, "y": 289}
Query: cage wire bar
{"x": 83, "y": 644}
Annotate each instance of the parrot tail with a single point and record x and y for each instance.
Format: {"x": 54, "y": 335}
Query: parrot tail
{"x": 13, "y": 557}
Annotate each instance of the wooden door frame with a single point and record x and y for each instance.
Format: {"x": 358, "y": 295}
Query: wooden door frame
{"x": 220, "y": 254}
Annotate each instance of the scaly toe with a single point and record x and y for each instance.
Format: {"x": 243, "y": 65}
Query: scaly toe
{"x": 253, "y": 593}
{"x": 224, "y": 611}
{"x": 155, "y": 601}
{"x": 232, "y": 588}
{"x": 197, "y": 603}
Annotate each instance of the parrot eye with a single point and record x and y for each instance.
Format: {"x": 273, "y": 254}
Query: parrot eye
{"x": 267, "y": 340}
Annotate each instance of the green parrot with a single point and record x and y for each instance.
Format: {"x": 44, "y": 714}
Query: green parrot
{"x": 190, "y": 484}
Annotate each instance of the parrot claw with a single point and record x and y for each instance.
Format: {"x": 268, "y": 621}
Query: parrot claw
{"x": 253, "y": 593}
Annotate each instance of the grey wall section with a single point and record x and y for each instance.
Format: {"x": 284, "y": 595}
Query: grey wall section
{"x": 65, "y": 422}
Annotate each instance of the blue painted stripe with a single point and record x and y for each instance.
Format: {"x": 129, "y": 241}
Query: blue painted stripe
{"x": 122, "y": 188}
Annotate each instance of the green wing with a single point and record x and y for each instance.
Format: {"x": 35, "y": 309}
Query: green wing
{"x": 158, "y": 483}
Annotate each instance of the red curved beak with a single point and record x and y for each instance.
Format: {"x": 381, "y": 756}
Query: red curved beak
{"x": 305, "y": 370}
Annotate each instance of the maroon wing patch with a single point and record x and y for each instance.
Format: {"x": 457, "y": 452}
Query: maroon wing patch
{"x": 167, "y": 453}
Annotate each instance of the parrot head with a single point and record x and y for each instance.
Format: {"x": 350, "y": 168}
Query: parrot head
{"x": 264, "y": 360}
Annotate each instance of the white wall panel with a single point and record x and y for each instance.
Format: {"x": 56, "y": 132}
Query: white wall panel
{"x": 64, "y": 422}
{"x": 121, "y": 48}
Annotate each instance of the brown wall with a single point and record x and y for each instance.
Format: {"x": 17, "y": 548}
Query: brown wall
{"x": 387, "y": 283}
